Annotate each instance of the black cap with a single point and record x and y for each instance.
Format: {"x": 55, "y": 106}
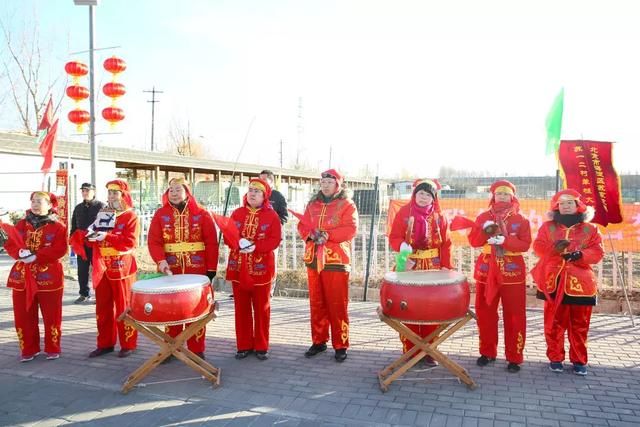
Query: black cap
{"x": 87, "y": 186}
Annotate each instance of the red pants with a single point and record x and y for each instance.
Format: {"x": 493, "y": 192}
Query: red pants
{"x": 571, "y": 318}
{"x": 26, "y": 322}
{"x": 253, "y": 315}
{"x": 195, "y": 343}
{"x": 112, "y": 298}
{"x": 422, "y": 330}
{"x": 329, "y": 301}
{"x": 514, "y": 303}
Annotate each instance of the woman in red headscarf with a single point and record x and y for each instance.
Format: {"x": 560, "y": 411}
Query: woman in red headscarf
{"x": 568, "y": 246}
{"x": 182, "y": 240}
{"x": 251, "y": 269}
{"x": 114, "y": 237}
{"x": 328, "y": 227}
{"x": 501, "y": 273}
{"x": 420, "y": 228}
{"x": 37, "y": 277}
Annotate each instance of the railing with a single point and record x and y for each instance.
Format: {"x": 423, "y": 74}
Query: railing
{"x": 383, "y": 259}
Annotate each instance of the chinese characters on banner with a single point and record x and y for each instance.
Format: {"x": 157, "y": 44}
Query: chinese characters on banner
{"x": 587, "y": 167}
{"x": 62, "y": 193}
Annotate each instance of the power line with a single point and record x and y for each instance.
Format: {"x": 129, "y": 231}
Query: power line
{"x": 153, "y": 101}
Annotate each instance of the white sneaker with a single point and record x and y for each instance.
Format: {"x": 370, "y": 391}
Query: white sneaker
{"x": 53, "y": 356}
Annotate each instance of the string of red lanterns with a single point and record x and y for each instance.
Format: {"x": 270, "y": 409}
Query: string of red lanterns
{"x": 78, "y": 93}
{"x": 114, "y": 90}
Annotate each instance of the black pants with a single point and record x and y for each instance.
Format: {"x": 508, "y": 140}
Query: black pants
{"x": 83, "y": 272}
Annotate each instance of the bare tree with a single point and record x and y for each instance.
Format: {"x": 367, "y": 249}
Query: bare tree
{"x": 182, "y": 143}
{"x": 23, "y": 69}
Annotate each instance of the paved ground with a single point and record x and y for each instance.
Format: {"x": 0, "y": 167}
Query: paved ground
{"x": 289, "y": 390}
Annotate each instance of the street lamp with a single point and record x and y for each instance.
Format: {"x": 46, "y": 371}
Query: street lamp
{"x": 92, "y": 87}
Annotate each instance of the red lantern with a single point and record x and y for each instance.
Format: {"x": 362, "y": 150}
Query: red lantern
{"x": 76, "y": 69}
{"x": 113, "y": 115}
{"x": 113, "y": 90}
{"x": 77, "y": 93}
{"x": 114, "y": 65}
{"x": 79, "y": 118}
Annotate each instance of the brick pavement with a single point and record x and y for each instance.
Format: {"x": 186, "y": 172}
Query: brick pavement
{"x": 289, "y": 390}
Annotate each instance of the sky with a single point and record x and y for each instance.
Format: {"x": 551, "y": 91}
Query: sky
{"x": 393, "y": 87}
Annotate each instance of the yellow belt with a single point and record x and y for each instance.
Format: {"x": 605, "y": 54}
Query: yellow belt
{"x": 183, "y": 247}
{"x": 486, "y": 249}
{"x": 425, "y": 253}
{"x": 112, "y": 252}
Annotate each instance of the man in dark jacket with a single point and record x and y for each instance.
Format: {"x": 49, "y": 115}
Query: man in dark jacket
{"x": 278, "y": 202}
{"x": 84, "y": 215}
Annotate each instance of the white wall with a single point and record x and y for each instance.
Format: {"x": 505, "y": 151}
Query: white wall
{"x": 20, "y": 176}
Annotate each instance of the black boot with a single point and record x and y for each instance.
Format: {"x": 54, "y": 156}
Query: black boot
{"x": 315, "y": 349}
{"x": 484, "y": 360}
{"x": 341, "y": 355}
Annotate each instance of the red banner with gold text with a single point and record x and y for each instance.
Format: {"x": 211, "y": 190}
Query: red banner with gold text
{"x": 587, "y": 167}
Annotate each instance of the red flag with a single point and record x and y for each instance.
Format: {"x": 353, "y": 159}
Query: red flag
{"x": 460, "y": 223}
{"x": 587, "y": 167}
{"x": 308, "y": 228}
{"x": 229, "y": 230}
{"x": 76, "y": 241}
{"x": 47, "y": 117}
{"x": 48, "y": 147}
{"x": 13, "y": 235}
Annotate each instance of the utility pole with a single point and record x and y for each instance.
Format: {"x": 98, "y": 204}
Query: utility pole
{"x": 330, "y": 151}
{"x": 153, "y": 101}
{"x": 281, "y": 154}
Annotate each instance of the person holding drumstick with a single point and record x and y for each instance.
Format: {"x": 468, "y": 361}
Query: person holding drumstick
{"x": 182, "y": 240}
{"x": 568, "y": 246}
{"x": 420, "y": 229}
{"x": 251, "y": 269}
{"x": 37, "y": 277}
{"x": 500, "y": 274}
{"x": 114, "y": 237}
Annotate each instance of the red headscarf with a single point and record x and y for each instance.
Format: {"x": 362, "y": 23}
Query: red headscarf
{"x": 261, "y": 185}
{"x": 123, "y": 187}
{"x": 501, "y": 210}
{"x": 192, "y": 203}
{"x": 334, "y": 174}
{"x": 568, "y": 194}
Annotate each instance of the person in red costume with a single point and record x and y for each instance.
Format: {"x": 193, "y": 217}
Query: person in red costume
{"x": 182, "y": 240}
{"x": 37, "y": 277}
{"x": 328, "y": 227}
{"x": 114, "y": 269}
{"x": 568, "y": 246}
{"x": 251, "y": 269}
{"x": 500, "y": 274}
{"x": 420, "y": 228}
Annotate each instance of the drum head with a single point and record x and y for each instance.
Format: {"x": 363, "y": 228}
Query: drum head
{"x": 174, "y": 283}
{"x": 427, "y": 277}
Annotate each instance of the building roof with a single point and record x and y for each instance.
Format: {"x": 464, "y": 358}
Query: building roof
{"x": 15, "y": 143}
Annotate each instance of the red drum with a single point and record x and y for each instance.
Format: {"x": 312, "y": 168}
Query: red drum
{"x": 171, "y": 300}
{"x": 425, "y": 297}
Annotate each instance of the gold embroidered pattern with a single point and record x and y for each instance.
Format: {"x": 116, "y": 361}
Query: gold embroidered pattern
{"x": 55, "y": 334}
{"x": 128, "y": 332}
{"x": 574, "y": 284}
{"x": 20, "y": 338}
{"x": 519, "y": 343}
{"x": 345, "y": 332}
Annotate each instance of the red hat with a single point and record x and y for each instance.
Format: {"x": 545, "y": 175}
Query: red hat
{"x": 52, "y": 198}
{"x": 262, "y": 185}
{"x": 121, "y": 186}
{"x": 504, "y": 186}
{"x": 565, "y": 195}
{"x": 332, "y": 173}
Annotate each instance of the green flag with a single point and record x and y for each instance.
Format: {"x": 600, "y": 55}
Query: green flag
{"x": 554, "y": 123}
